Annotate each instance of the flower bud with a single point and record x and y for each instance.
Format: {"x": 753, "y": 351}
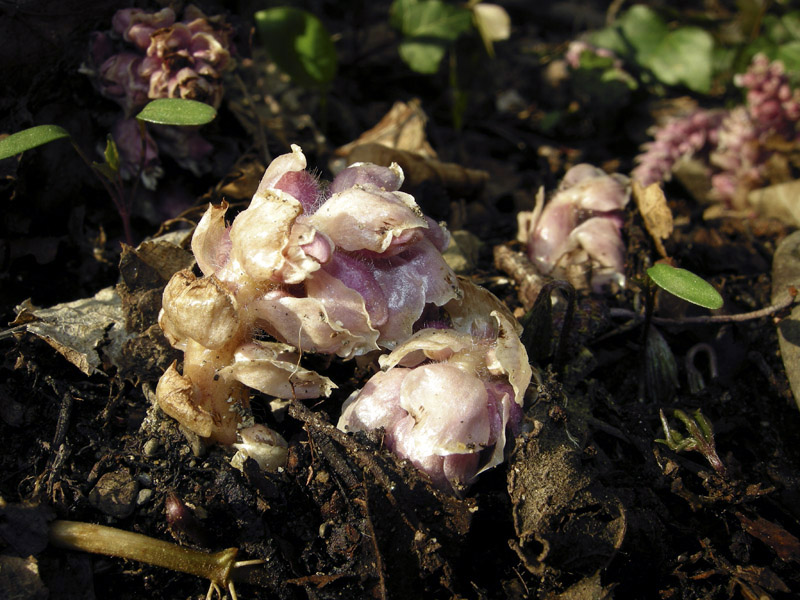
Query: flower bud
{"x": 580, "y": 224}
{"x": 264, "y": 445}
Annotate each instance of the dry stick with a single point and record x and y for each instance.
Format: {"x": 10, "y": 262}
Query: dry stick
{"x": 521, "y": 270}
{"x": 262, "y": 137}
{"x": 519, "y": 267}
{"x": 364, "y": 459}
{"x": 375, "y": 549}
{"x": 337, "y": 462}
{"x": 706, "y": 320}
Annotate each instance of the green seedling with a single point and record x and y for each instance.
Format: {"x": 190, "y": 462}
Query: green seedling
{"x": 177, "y": 111}
{"x": 429, "y": 28}
{"x": 674, "y": 56}
{"x": 700, "y": 437}
{"x": 685, "y": 285}
{"x": 164, "y": 111}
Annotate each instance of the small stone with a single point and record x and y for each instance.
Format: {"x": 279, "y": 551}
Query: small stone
{"x": 115, "y": 494}
{"x": 143, "y": 497}
{"x": 150, "y": 447}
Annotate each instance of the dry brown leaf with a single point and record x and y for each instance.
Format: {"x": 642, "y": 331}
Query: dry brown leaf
{"x": 91, "y": 332}
{"x": 242, "y": 180}
{"x": 785, "y": 276}
{"x": 80, "y": 330}
{"x": 783, "y": 543}
{"x": 778, "y": 201}
{"x": 403, "y": 128}
{"x": 657, "y": 216}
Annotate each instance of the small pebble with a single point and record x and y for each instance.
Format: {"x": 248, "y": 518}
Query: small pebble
{"x": 115, "y": 494}
{"x": 143, "y": 497}
{"x": 150, "y": 447}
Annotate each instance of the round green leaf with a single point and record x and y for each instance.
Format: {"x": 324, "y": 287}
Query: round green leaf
{"x": 26, "y": 139}
{"x": 685, "y": 285}
{"x": 299, "y": 44}
{"x": 177, "y": 111}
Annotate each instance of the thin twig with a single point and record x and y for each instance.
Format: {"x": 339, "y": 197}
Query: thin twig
{"x": 625, "y": 313}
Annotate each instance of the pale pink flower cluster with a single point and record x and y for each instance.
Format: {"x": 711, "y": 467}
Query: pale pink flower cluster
{"x": 691, "y": 135}
{"x": 577, "y": 234}
{"x": 732, "y": 142}
{"x": 147, "y": 56}
{"x": 161, "y": 57}
{"x": 347, "y": 270}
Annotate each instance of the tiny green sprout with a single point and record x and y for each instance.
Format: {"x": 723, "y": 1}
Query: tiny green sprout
{"x": 685, "y": 285}
{"x": 27, "y": 139}
{"x": 177, "y": 111}
{"x": 109, "y": 168}
{"x": 700, "y": 438}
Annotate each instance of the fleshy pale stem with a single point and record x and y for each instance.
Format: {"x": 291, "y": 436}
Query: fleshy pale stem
{"x": 99, "y": 539}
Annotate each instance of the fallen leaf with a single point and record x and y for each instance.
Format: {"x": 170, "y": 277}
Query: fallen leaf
{"x": 783, "y": 543}
{"x": 657, "y": 216}
{"x": 91, "y": 332}
{"x": 785, "y": 275}
{"x": 778, "y": 201}
{"x": 79, "y": 330}
{"x": 403, "y": 128}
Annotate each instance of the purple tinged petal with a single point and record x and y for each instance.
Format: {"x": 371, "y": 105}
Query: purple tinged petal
{"x": 357, "y": 274}
{"x": 388, "y": 179}
{"x": 302, "y": 186}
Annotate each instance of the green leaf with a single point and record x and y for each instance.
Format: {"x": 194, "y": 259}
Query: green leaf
{"x": 684, "y": 56}
{"x": 177, "y": 111}
{"x": 430, "y": 18}
{"x": 685, "y": 285}
{"x": 680, "y": 57}
{"x": 429, "y": 26}
{"x": 27, "y": 139}
{"x": 789, "y": 55}
{"x": 791, "y": 22}
{"x": 109, "y": 168}
{"x": 299, "y": 44}
{"x": 609, "y": 38}
{"x": 111, "y": 153}
{"x": 644, "y": 30}
{"x": 422, "y": 56}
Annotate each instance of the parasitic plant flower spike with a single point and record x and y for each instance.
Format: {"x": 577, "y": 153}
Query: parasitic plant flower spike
{"x": 579, "y": 229}
{"x": 343, "y": 272}
{"x": 446, "y": 399}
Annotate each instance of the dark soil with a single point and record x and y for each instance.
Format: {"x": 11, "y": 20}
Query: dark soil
{"x": 588, "y": 503}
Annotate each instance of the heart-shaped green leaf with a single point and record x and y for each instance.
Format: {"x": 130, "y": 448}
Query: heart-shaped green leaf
{"x": 177, "y": 111}
{"x": 428, "y": 27}
{"x": 685, "y": 285}
{"x": 26, "y": 139}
